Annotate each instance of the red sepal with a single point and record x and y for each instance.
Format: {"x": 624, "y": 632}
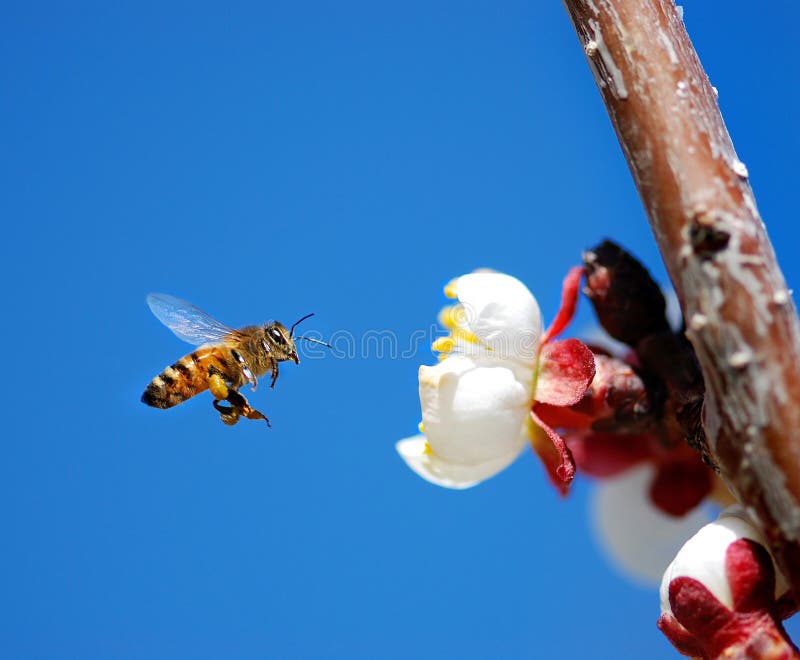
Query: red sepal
{"x": 559, "y": 464}
{"x": 683, "y": 641}
{"x": 569, "y": 300}
{"x": 751, "y": 575}
{"x": 679, "y": 487}
{"x": 607, "y": 454}
{"x": 561, "y": 417}
{"x": 566, "y": 369}
{"x": 699, "y": 612}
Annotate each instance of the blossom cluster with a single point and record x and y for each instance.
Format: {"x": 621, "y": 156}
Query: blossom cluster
{"x": 503, "y": 382}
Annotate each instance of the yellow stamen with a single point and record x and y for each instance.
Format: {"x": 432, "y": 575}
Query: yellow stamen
{"x": 465, "y": 335}
{"x": 421, "y": 427}
{"x": 452, "y": 316}
{"x": 427, "y": 449}
{"x": 450, "y": 289}
{"x": 444, "y": 344}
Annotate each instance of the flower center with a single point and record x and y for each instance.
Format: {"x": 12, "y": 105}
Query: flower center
{"x": 453, "y": 318}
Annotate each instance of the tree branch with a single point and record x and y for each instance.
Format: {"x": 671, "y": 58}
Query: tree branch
{"x": 740, "y": 316}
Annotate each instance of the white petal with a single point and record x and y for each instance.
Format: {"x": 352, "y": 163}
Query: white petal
{"x": 640, "y": 539}
{"x": 473, "y": 410}
{"x": 702, "y": 557}
{"x": 502, "y": 313}
{"x": 437, "y": 471}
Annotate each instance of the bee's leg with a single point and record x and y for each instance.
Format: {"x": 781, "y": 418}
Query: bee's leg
{"x": 252, "y": 413}
{"x": 241, "y": 407}
{"x": 245, "y": 369}
{"x": 274, "y": 373}
{"x": 217, "y": 386}
{"x": 251, "y": 377}
{"x": 228, "y": 414}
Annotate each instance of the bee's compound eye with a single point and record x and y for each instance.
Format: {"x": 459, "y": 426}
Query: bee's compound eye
{"x": 276, "y": 335}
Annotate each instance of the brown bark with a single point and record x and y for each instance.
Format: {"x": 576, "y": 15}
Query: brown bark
{"x": 740, "y": 316}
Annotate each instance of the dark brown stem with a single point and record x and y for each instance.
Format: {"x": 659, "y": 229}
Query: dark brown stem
{"x": 741, "y": 319}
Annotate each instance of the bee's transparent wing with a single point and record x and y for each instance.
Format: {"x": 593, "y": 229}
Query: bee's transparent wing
{"x": 189, "y": 323}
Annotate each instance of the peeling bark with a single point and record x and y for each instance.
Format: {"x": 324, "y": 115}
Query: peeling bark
{"x": 740, "y": 316}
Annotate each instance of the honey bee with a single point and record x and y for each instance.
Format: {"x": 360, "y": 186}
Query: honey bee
{"x": 225, "y": 360}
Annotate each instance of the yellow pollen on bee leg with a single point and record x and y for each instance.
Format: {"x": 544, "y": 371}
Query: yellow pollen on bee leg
{"x": 217, "y": 386}
{"x": 421, "y": 427}
{"x": 450, "y": 289}
{"x": 444, "y": 344}
{"x": 427, "y": 449}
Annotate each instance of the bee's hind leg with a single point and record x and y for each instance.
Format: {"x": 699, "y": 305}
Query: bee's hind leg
{"x": 217, "y": 386}
{"x": 239, "y": 407}
{"x": 228, "y": 414}
{"x": 221, "y": 392}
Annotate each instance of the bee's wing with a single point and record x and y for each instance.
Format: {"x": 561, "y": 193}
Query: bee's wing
{"x": 189, "y": 323}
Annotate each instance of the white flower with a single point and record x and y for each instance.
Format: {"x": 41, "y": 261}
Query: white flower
{"x": 640, "y": 538}
{"x": 476, "y": 402}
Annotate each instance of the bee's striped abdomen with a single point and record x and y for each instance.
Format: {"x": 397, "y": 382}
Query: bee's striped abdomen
{"x": 187, "y": 377}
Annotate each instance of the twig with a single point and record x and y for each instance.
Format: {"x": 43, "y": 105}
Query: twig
{"x": 740, "y": 316}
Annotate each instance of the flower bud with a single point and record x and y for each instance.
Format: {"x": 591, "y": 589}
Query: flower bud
{"x": 720, "y": 597}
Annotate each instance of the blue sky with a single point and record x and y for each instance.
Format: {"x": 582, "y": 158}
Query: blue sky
{"x": 266, "y": 160}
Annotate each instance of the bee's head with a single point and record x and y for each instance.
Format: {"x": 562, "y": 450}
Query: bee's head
{"x": 280, "y": 343}
{"x": 292, "y": 338}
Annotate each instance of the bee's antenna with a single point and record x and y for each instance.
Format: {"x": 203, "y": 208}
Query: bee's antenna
{"x": 296, "y": 323}
{"x": 314, "y": 341}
